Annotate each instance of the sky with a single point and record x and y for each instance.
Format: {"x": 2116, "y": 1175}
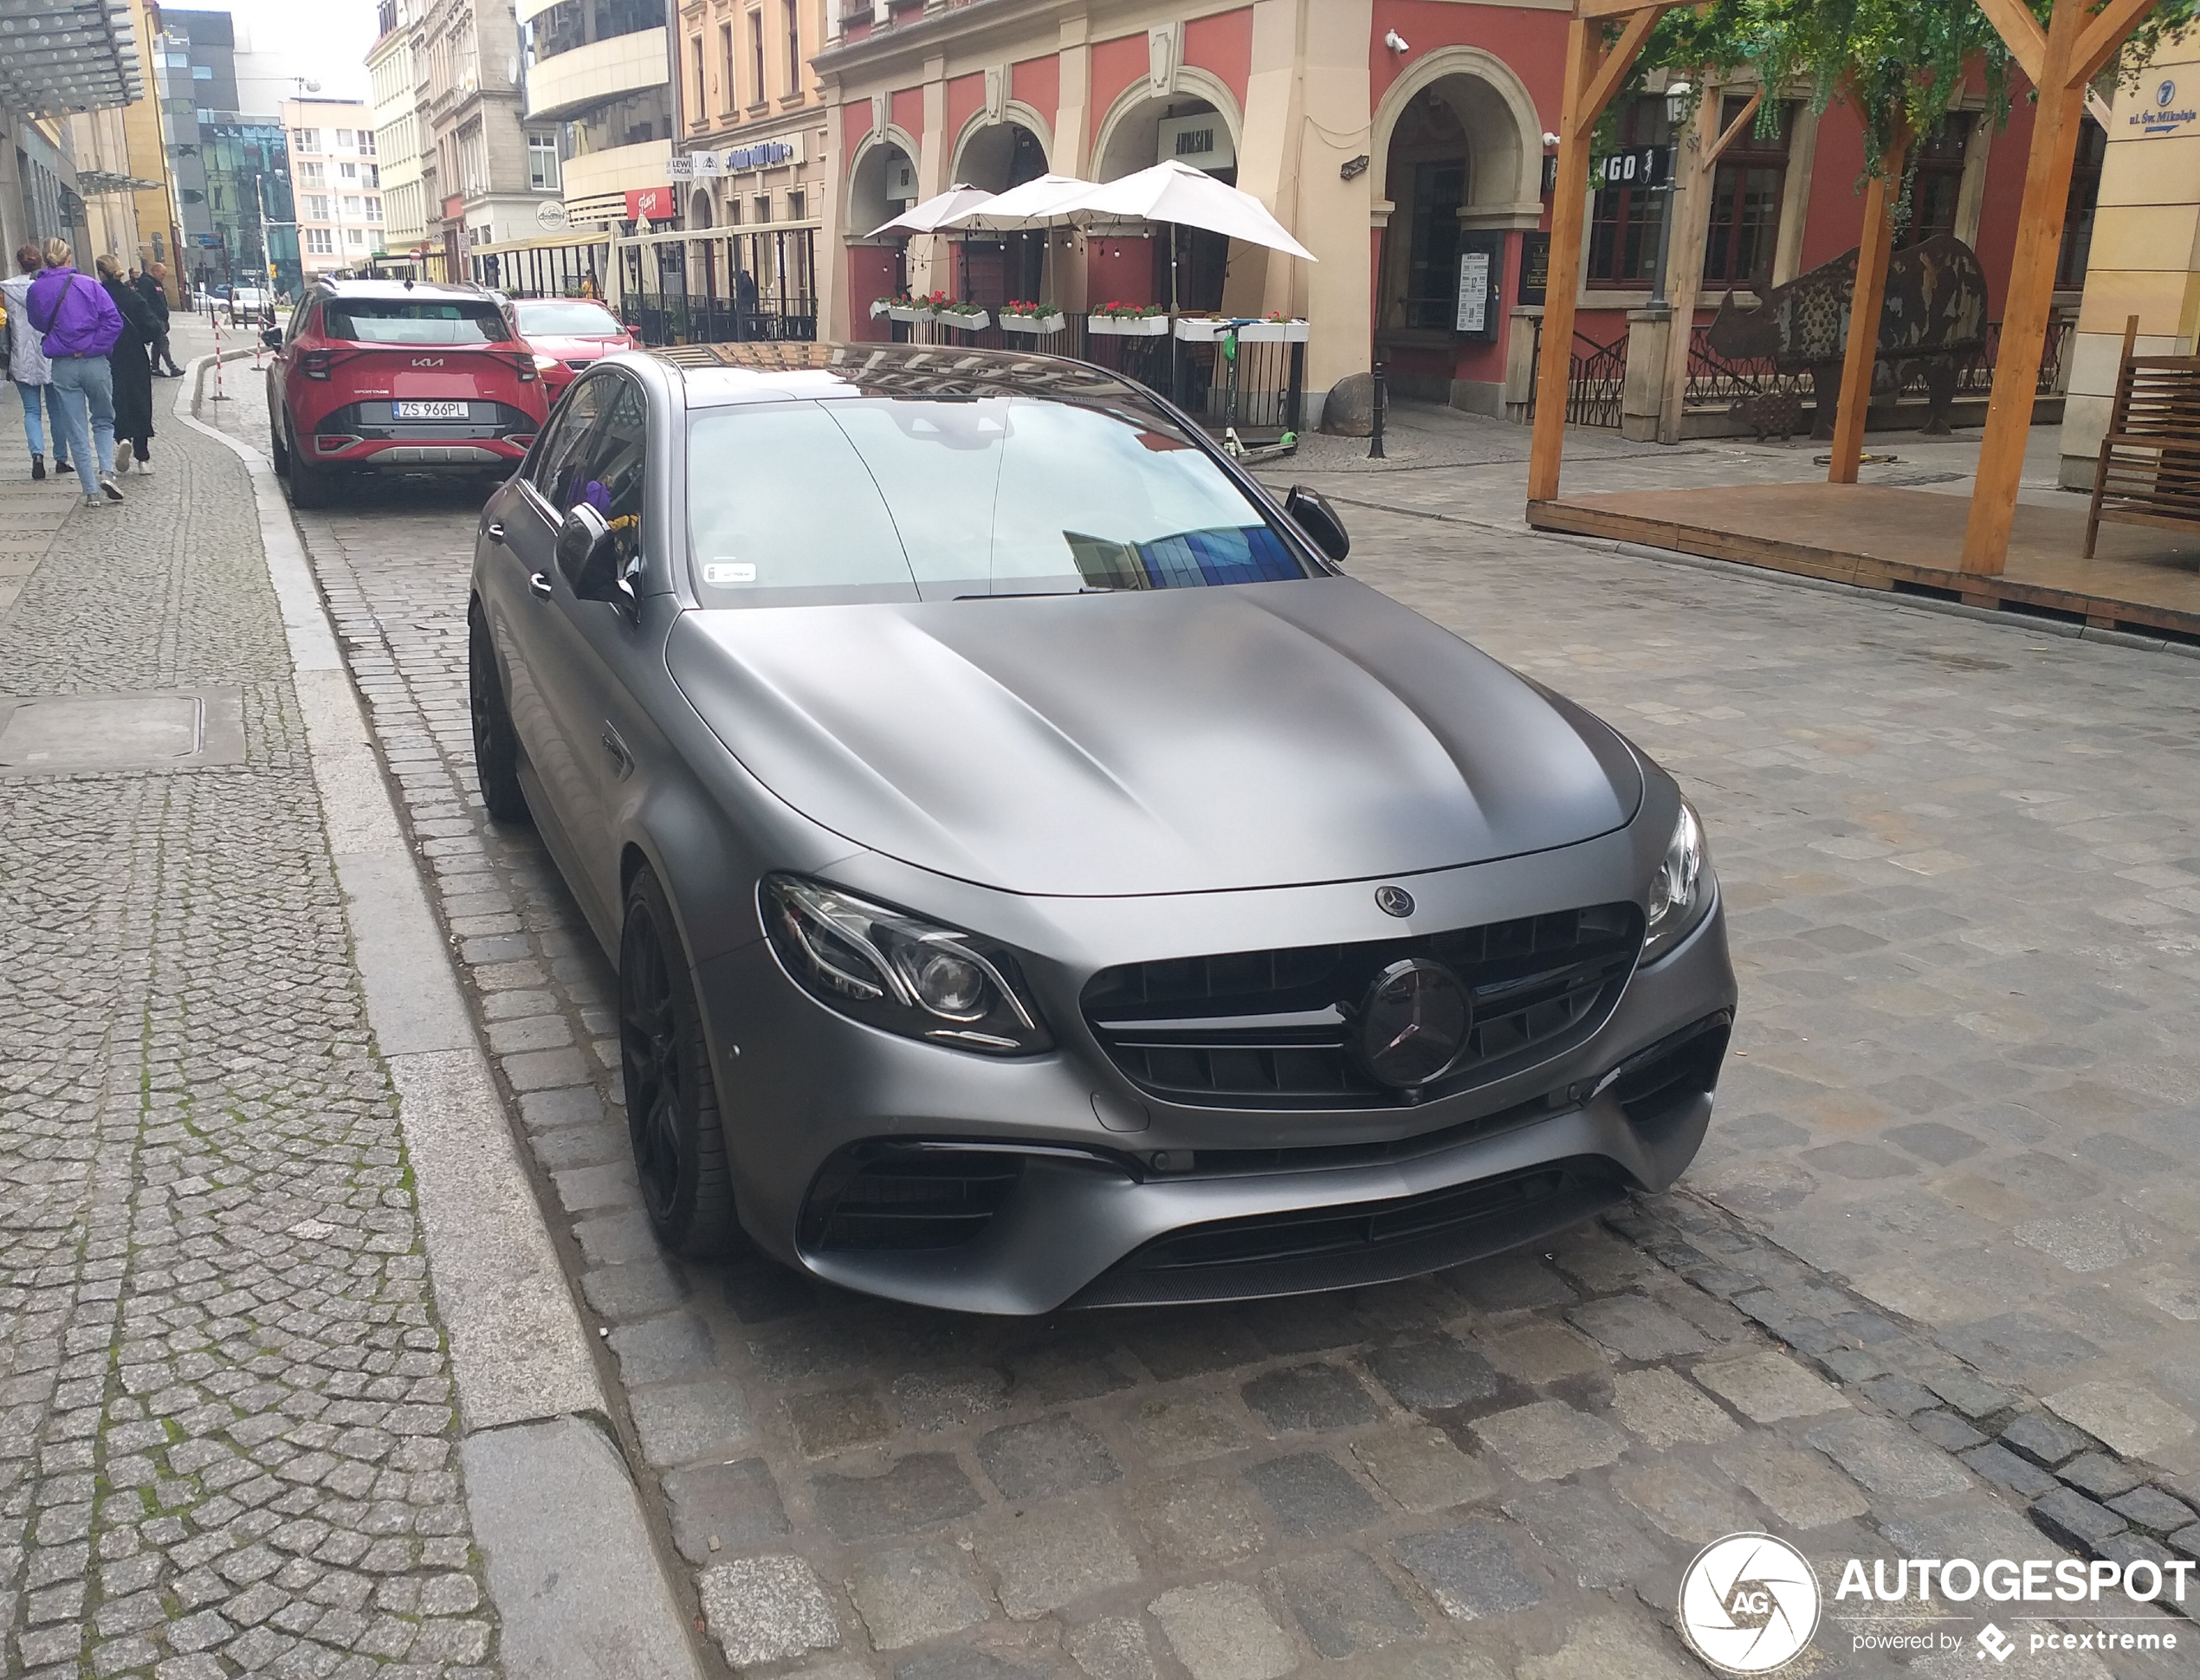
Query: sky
{"x": 325, "y": 40}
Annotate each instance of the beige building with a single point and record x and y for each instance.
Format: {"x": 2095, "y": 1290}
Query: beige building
{"x": 475, "y": 151}
{"x": 2145, "y": 254}
{"x": 754, "y": 143}
{"x": 335, "y": 182}
{"x": 598, "y": 103}
{"x": 398, "y": 128}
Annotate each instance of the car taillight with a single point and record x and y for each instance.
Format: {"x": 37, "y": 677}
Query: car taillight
{"x": 314, "y": 363}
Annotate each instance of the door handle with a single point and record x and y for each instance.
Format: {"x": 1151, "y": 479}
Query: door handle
{"x": 620, "y": 757}
{"x": 539, "y": 583}
{"x": 495, "y": 531}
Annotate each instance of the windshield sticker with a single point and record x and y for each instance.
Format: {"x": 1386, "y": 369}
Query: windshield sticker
{"x": 728, "y": 571}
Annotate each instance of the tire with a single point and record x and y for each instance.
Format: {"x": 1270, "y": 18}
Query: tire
{"x": 311, "y": 486}
{"x": 497, "y": 743}
{"x": 672, "y": 1118}
{"x": 278, "y": 450}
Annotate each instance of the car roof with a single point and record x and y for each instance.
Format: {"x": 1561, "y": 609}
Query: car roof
{"x": 721, "y": 375}
{"x": 398, "y": 288}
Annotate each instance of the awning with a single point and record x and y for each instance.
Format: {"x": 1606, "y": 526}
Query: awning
{"x": 927, "y": 216}
{"x": 1050, "y": 201}
{"x": 57, "y": 56}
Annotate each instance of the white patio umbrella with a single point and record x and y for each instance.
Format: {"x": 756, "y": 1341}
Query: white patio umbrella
{"x": 1173, "y": 191}
{"x": 927, "y": 216}
{"x": 1048, "y": 200}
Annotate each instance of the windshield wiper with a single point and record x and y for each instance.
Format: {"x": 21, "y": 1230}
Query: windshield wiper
{"x": 1036, "y": 594}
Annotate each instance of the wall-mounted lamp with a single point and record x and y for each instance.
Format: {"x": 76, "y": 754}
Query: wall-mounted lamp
{"x": 1677, "y": 95}
{"x": 1550, "y": 139}
{"x": 1353, "y": 168}
{"x": 1397, "y": 42}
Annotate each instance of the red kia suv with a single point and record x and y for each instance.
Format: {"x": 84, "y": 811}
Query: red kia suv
{"x": 568, "y": 333}
{"x": 381, "y": 376}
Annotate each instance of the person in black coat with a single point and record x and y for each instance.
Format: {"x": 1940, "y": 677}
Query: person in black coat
{"x": 149, "y": 286}
{"x": 130, "y": 359}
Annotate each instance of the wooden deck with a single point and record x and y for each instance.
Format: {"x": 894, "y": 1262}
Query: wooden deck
{"x": 2146, "y": 581}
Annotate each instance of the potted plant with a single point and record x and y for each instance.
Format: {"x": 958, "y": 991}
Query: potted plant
{"x": 963, "y": 316}
{"x": 1275, "y": 327}
{"x": 1130, "y": 320}
{"x": 914, "y": 309}
{"x": 884, "y": 308}
{"x": 1024, "y": 317}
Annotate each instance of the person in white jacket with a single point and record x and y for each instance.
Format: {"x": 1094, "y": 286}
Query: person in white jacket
{"x": 29, "y": 370}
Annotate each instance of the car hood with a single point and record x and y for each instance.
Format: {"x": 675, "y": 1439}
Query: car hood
{"x": 1173, "y": 741}
{"x": 567, "y": 348}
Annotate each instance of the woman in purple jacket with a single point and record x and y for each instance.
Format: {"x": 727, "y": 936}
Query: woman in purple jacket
{"x": 80, "y": 325}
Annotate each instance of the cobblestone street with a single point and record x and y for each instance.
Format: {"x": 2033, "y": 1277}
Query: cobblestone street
{"x": 226, "y": 1425}
{"x": 1929, "y": 1289}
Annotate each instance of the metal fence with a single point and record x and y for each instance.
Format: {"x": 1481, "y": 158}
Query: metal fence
{"x": 686, "y": 318}
{"x": 1715, "y": 383}
{"x": 1261, "y": 389}
{"x": 1596, "y": 377}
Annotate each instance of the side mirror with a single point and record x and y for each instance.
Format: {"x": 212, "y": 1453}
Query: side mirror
{"x": 272, "y": 337}
{"x": 588, "y": 555}
{"x": 1310, "y": 510}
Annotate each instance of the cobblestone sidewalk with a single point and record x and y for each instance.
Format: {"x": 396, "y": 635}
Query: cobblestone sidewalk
{"x": 226, "y": 1434}
{"x": 1500, "y": 1472}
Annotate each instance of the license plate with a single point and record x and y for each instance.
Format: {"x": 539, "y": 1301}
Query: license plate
{"x": 430, "y": 410}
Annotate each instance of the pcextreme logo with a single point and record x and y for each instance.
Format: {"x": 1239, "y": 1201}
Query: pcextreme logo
{"x": 1749, "y": 1603}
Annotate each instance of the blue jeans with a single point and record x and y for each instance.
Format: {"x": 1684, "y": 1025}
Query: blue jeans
{"x": 83, "y": 383}
{"x": 33, "y": 432}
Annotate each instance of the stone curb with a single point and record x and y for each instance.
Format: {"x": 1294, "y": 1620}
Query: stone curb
{"x": 579, "y": 1589}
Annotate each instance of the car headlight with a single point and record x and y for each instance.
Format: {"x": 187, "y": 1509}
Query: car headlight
{"x": 546, "y": 363}
{"x": 1682, "y": 890}
{"x": 891, "y": 970}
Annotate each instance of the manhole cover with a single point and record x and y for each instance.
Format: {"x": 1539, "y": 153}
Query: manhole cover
{"x": 171, "y": 729}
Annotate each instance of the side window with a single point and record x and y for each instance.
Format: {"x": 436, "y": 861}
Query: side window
{"x": 558, "y": 460}
{"x": 612, "y": 479}
{"x": 298, "y": 319}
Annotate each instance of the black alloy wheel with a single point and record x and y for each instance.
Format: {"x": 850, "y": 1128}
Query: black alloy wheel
{"x": 497, "y": 745}
{"x": 672, "y": 1117}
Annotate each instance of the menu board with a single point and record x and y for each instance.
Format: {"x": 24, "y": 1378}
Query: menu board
{"x": 1474, "y": 293}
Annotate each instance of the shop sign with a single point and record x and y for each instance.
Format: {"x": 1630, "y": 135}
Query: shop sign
{"x": 2163, "y": 114}
{"x": 736, "y": 160}
{"x": 1535, "y": 268}
{"x": 655, "y": 204}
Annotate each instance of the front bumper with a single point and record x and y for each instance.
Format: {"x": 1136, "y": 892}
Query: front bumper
{"x": 1196, "y": 1203}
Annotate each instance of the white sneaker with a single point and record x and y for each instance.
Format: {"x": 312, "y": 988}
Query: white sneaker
{"x": 145, "y": 466}
{"x": 113, "y": 490}
{"x": 95, "y": 501}
{"x": 121, "y": 464}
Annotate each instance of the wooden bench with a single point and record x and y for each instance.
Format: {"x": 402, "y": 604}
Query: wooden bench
{"x": 2149, "y": 471}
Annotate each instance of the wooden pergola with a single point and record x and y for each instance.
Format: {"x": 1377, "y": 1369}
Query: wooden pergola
{"x": 2059, "y": 60}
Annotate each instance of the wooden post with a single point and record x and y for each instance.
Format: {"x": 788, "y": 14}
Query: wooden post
{"x": 1865, "y": 304}
{"x": 1569, "y": 207}
{"x": 1692, "y": 209}
{"x": 1593, "y": 75}
{"x": 2072, "y": 53}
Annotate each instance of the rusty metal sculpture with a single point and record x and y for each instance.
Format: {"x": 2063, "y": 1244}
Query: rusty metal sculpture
{"x": 1934, "y": 321}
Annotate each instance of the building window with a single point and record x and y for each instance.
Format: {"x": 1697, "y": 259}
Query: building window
{"x": 797, "y": 205}
{"x": 726, "y": 100}
{"x": 2078, "y": 213}
{"x": 353, "y": 207}
{"x": 793, "y": 46}
{"x": 1746, "y": 191}
{"x": 756, "y": 57}
{"x": 311, "y": 173}
{"x": 763, "y": 207}
{"x": 318, "y": 209}
{"x": 374, "y": 209}
{"x": 343, "y": 140}
{"x": 348, "y": 171}
{"x": 305, "y": 140}
{"x": 1937, "y": 177}
{"x": 1623, "y": 220}
{"x": 542, "y": 162}
{"x": 700, "y": 102}
{"x": 367, "y": 143}
{"x": 355, "y": 237}
{"x": 1431, "y": 266}
{"x": 318, "y": 243}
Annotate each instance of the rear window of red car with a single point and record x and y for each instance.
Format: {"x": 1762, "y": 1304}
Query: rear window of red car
{"x": 414, "y": 320}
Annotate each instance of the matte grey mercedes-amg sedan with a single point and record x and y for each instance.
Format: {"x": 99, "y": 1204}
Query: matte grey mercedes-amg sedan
{"x": 1037, "y": 876}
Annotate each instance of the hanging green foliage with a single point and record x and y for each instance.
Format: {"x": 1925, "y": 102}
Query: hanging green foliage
{"x": 1896, "y": 63}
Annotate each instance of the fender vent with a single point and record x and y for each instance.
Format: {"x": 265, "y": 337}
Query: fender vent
{"x": 893, "y": 1197}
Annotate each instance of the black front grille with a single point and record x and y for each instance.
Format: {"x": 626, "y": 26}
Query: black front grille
{"x": 1272, "y": 1029}
{"x": 1360, "y": 1243}
{"x": 898, "y": 1196}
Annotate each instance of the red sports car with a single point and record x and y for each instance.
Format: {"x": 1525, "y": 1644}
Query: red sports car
{"x": 567, "y": 334}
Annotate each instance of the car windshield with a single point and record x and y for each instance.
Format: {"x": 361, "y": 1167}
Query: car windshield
{"x": 569, "y": 318}
{"x": 930, "y": 499}
{"x": 414, "y": 320}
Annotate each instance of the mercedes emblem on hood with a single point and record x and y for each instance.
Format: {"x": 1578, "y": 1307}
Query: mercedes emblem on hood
{"x": 1394, "y": 900}
{"x": 1415, "y": 1023}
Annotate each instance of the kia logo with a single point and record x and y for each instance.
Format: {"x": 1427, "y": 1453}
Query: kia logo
{"x": 427, "y": 361}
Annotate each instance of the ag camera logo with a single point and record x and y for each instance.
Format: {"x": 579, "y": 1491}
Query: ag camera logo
{"x": 1749, "y": 1603}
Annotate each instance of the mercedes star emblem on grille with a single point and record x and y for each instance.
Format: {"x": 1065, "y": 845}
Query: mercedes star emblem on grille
{"x": 1415, "y": 1023}
{"x": 1394, "y": 900}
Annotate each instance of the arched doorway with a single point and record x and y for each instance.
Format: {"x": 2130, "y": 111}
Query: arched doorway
{"x": 993, "y": 267}
{"x": 1197, "y": 131}
{"x": 1462, "y": 172}
{"x": 881, "y": 186}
